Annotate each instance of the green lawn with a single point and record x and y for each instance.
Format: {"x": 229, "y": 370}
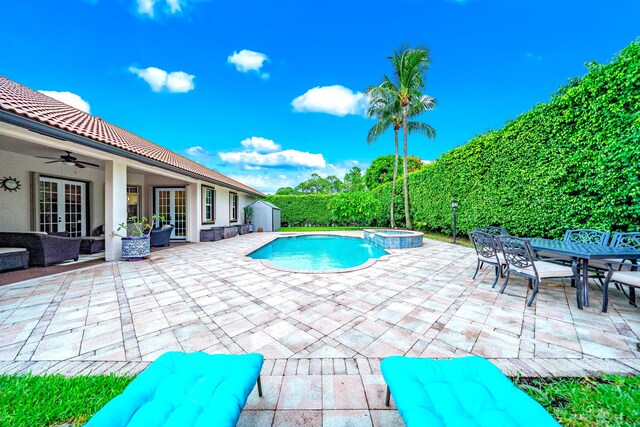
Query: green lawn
{"x": 302, "y": 229}
{"x": 53, "y": 400}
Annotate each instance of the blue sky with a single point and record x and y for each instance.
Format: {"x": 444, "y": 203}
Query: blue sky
{"x": 270, "y": 92}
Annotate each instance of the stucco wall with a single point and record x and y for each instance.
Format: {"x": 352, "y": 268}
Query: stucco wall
{"x": 15, "y": 208}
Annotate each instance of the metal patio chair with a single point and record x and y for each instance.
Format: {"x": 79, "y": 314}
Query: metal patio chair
{"x": 521, "y": 259}
{"x": 490, "y": 229}
{"x": 488, "y": 253}
{"x": 630, "y": 278}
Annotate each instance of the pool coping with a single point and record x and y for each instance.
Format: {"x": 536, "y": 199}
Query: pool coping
{"x": 269, "y": 264}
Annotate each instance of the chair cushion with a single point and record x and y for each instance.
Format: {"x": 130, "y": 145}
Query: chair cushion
{"x": 601, "y": 264}
{"x": 11, "y": 250}
{"x": 468, "y": 391}
{"x": 181, "y": 389}
{"x": 627, "y": 277}
{"x": 545, "y": 270}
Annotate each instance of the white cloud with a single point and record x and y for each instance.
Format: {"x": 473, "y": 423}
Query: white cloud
{"x": 248, "y": 60}
{"x": 196, "y": 151}
{"x": 158, "y": 79}
{"x": 69, "y": 99}
{"x": 285, "y": 158}
{"x": 532, "y": 57}
{"x": 336, "y": 100}
{"x": 261, "y": 145}
{"x": 265, "y": 183}
{"x": 174, "y": 6}
{"x": 169, "y": 7}
{"x": 145, "y": 7}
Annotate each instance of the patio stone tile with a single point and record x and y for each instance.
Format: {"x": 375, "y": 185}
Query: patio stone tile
{"x": 325, "y": 325}
{"x": 17, "y": 332}
{"x": 372, "y": 327}
{"x": 252, "y": 418}
{"x": 341, "y": 418}
{"x": 398, "y": 338}
{"x": 281, "y": 329}
{"x": 505, "y": 319}
{"x": 298, "y": 419}
{"x": 304, "y": 392}
{"x": 297, "y": 341}
{"x": 460, "y": 333}
{"x": 327, "y": 351}
{"x": 199, "y": 342}
{"x": 99, "y": 341}
{"x": 10, "y": 352}
{"x": 275, "y": 350}
{"x": 271, "y": 386}
{"x": 376, "y": 391}
{"x": 381, "y": 349}
{"x": 59, "y": 347}
{"x": 255, "y": 341}
{"x": 386, "y": 419}
{"x": 343, "y": 392}
{"x": 495, "y": 344}
{"x": 236, "y": 328}
{"x": 557, "y": 333}
{"x": 355, "y": 339}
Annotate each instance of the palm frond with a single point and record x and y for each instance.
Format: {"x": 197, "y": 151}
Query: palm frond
{"x": 422, "y": 128}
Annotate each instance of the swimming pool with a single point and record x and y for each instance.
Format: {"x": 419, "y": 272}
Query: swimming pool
{"x": 318, "y": 252}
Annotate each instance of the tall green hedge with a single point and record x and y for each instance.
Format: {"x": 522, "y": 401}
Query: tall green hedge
{"x": 303, "y": 210}
{"x": 573, "y": 162}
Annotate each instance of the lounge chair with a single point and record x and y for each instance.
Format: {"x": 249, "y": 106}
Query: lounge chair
{"x": 493, "y": 230}
{"x": 161, "y": 236}
{"x": 630, "y": 278}
{"x": 181, "y": 389}
{"x": 468, "y": 391}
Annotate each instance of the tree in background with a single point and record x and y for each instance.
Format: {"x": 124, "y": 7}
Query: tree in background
{"x": 314, "y": 185}
{"x": 334, "y": 184}
{"x": 386, "y": 108}
{"x": 381, "y": 169}
{"x": 356, "y": 208}
{"x": 286, "y": 191}
{"x": 353, "y": 180}
{"x": 409, "y": 67}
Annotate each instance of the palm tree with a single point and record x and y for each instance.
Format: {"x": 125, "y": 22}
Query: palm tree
{"x": 391, "y": 107}
{"x": 409, "y": 67}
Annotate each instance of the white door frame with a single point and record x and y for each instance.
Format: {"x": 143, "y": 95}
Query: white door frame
{"x": 61, "y": 204}
{"x": 177, "y": 233}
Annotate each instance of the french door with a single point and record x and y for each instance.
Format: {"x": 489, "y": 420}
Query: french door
{"x": 63, "y": 206}
{"x": 171, "y": 203}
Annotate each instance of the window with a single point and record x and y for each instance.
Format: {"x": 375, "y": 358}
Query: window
{"x": 133, "y": 201}
{"x": 208, "y": 205}
{"x": 233, "y": 207}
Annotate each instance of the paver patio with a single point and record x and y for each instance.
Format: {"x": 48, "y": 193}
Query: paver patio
{"x": 322, "y": 335}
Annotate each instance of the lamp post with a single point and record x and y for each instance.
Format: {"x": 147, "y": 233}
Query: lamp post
{"x": 454, "y": 206}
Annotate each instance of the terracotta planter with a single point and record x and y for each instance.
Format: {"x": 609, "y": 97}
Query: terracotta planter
{"x": 136, "y": 248}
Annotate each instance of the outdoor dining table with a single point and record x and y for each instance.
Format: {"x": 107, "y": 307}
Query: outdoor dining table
{"x": 583, "y": 252}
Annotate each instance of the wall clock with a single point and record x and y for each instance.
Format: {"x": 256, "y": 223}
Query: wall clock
{"x": 10, "y": 184}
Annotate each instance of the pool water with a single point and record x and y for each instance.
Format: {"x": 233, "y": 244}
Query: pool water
{"x": 317, "y": 252}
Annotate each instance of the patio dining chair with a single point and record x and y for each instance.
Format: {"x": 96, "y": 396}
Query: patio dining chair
{"x": 630, "y": 278}
{"x": 490, "y": 229}
{"x": 583, "y": 235}
{"x": 521, "y": 259}
{"x": 488, "y": 253}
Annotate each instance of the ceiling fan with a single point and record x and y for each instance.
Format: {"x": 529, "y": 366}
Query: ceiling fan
{"x": 69, "y": 160}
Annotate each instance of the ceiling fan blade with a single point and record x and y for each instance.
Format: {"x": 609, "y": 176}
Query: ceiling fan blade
{"x": 54, "y": 161}
{"x": 79, "y": 165}
{"x": 87, "y": 163}
{"x": 43, "y": 157}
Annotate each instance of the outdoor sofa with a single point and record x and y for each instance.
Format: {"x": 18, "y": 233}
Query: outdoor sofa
{"x": 43, "y": 249}
{"x": 185, "y": 389}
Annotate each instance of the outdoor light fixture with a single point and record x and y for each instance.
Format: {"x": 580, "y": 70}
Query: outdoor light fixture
{"x": 69, "y": 163}
{"x": 454, "y": 206}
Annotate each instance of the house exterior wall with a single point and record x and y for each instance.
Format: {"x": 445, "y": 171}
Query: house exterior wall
{"x": 16, "y": 206}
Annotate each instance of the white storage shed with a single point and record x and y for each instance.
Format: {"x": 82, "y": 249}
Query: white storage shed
{"x": 265, "y": 216}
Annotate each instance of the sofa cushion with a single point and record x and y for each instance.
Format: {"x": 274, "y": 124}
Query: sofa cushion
{"x": 627, "y": 277}
{"x": 468, "y": 391}
{"x": 181, "y": 389}
{"x": 11, "y": 250}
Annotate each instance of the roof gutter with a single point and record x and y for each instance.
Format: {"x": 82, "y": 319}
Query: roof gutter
{"x": 53, "y": 132}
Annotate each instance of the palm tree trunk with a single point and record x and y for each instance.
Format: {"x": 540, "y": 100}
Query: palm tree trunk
{"x": 407, "y": 216}
{"x": 395, "y": 175}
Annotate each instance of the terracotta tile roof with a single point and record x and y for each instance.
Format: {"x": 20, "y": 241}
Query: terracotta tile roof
{"x": 34, "y": 105}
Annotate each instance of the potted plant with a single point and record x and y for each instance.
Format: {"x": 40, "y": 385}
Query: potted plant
{"x": 136, "y": 239}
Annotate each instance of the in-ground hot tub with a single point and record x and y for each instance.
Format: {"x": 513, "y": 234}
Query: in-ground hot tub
{"x": 393, "y": 239}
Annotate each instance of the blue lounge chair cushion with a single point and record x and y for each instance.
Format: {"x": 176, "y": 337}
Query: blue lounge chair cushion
{"x": 468, "y": 391}
{"x": 181, "y": 389}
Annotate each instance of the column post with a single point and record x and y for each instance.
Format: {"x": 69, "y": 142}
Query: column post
{"x": 194, "y": 211}
{"x": 115, "y": 206}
